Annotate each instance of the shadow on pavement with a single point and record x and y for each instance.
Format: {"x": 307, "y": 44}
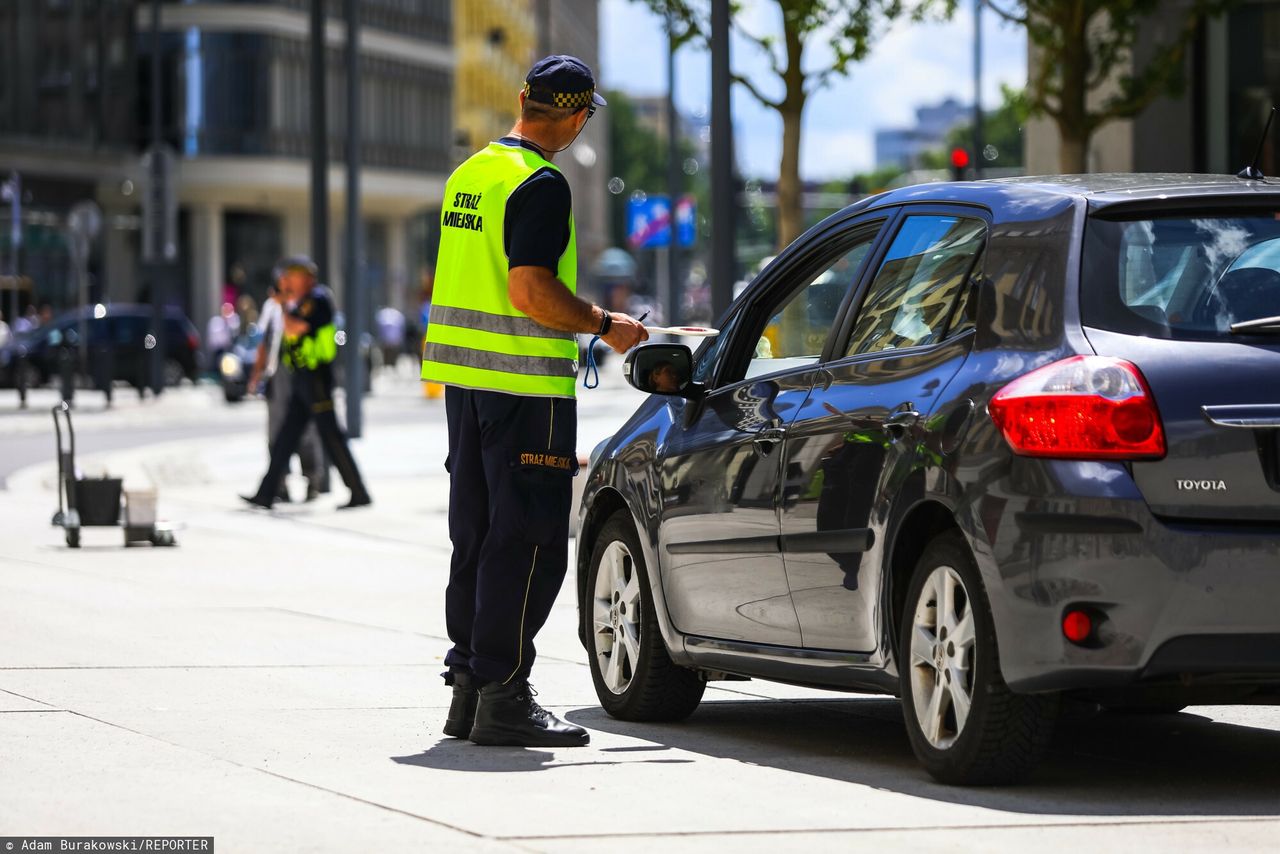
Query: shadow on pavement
{"x": 1099, "y": 765}
{"x": 453, "y": 754}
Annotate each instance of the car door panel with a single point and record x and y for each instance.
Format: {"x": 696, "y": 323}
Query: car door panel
{"x": 723, "y": 571}
{"x": 869, "y": 423}
{"x": 848, "y": 452}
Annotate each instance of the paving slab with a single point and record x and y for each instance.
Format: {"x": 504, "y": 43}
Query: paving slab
{"x": 70, "y": 775}
{"x": 1192, "y": 837}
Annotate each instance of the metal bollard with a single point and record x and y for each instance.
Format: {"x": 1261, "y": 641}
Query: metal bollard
{"x": 104, "y": 370}
{"x": 20, "y": 379}
{"x": 67, "y": 374}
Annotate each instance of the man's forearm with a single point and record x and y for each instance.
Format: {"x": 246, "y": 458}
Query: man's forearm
{"x": 538, "y": 293}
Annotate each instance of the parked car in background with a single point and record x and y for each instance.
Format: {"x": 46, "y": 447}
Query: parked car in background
{"x": 236, "y": 364}
{"x": 120, "y": 341}
{"x": 985, "y": 446}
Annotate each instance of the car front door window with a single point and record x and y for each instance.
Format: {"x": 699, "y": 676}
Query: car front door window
{"x": 795, "y": 331}
{"x": 911, "y": 299}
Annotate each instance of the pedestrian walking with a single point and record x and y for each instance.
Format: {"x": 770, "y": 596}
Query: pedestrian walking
{"x": 278, "y": 390}
{"x": 310, "y": 346}
{"x": 501, "y": 339}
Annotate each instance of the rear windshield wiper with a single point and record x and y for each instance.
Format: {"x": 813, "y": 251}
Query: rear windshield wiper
{"x": 1261, "y": 325}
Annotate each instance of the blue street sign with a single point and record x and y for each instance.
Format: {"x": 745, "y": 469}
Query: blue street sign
{"x": 686, "y": 221}
{"x": 649, "y": 223}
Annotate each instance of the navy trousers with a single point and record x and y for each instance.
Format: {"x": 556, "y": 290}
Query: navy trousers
{"x": 511, "y": 464}
{"x": 310, "y": 400}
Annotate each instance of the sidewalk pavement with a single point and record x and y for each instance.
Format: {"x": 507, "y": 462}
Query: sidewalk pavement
{"x": 272, "y": 682}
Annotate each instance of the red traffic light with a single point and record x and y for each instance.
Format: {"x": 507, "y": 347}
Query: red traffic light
{"x": 959, "y": 158}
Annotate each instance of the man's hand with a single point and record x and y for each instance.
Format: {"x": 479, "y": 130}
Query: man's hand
{"x": 295, "y": 325}
{"x": 625, "y": 333}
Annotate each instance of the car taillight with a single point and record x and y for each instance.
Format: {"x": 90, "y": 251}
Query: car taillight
{"x": 1081, "y": 408}
{"x": 193, "y": 341}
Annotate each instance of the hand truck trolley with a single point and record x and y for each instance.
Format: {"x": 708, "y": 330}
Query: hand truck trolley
{"x": 85, "y": 502}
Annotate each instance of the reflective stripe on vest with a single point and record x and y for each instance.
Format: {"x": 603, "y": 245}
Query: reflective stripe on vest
{"x": 475, "y": 337}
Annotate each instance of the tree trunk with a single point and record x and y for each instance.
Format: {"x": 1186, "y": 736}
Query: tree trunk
{"x": 1073, "y": 118}
{"x": 1073, "y": 150}
{"x": 790, "y": 191}
{"x": 790, "y": 201}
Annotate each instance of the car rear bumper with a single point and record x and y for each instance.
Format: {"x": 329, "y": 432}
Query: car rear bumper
{"x": 1191, "y": 603}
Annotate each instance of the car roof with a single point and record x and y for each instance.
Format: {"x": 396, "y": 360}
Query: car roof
{"x": 121, "y": 309}
{"x": 1098, "y": 190}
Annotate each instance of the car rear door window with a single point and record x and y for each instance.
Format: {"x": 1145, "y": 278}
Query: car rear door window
{"x": 1187, "y": 277}
{"x": 911, "y": 301}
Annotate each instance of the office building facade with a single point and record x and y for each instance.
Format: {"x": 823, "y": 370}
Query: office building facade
{"x": 235, "y": 108}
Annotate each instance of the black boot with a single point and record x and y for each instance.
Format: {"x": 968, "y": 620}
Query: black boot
{"x": 462, "y": 711}
{"x": 508, "y": 715}
{"x": 358, "y": 499}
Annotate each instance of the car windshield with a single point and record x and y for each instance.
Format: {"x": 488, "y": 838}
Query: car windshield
{"x": 1186, "y": 277}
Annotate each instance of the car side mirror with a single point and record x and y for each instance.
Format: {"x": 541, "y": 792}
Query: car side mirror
{"x": 662, "y": 369}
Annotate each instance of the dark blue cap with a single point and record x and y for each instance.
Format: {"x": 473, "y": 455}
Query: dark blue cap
{"x": 562, "y": 81}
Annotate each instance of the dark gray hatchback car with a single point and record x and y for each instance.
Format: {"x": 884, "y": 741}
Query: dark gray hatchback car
{"x": 979, "y": 445}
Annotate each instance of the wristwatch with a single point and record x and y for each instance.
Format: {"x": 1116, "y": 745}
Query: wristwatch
{"x": 606, "y": 324}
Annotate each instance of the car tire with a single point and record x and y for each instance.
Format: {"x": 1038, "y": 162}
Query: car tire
{"x": 635, "y": 680}
{"x": 174, "y": 373}
{"x": 1002, "y": 735}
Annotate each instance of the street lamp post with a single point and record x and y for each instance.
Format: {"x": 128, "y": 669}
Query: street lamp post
{"x": 671, "y": 306}
{"x": 157, "y": 250}
{"x": 722, "y": 192}
{"x": 978, "y": 145}
{"x": 353, "y": 286}
{"x": 319, "y": 147}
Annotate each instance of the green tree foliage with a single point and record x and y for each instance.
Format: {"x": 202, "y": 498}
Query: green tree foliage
{"x": 1080, "y": 46}
{"x": 848, "y": 29}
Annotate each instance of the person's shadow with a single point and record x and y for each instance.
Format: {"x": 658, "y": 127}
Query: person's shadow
{"x": 456, "y": 754}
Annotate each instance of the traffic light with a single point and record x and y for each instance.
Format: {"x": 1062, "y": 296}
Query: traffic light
{"x": 959, "y": 163}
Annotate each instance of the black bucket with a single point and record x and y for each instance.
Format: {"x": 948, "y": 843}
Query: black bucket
{"x": 98, "y": 500}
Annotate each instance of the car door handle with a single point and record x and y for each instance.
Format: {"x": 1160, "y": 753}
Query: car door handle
{"x": 897, "y": 422}
{"x": 902, "y": 418}
{"x": 766, "y": 439}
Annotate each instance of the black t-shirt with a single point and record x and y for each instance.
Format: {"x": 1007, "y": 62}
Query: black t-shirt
{"x": 536, "y": 228}
{"x": 316, "y": 308}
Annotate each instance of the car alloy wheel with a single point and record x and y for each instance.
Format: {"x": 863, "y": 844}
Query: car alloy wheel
{"x": 965, "y": 726}
{"x": 941, "y": 658}
{"x": 615, "y": 613}
{"x": 634, "y": 676}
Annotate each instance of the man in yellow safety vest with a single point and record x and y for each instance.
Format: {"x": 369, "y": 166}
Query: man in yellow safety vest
{"x": 501, "y": 339}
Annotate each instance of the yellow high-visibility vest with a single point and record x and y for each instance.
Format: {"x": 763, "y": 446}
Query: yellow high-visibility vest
{"x": 475, "y": 337}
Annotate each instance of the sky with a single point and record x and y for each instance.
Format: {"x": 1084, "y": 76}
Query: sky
{"x": 911, "y": 65}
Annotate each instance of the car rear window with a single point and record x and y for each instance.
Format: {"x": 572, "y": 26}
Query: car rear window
{"x": 1185, "y": 277}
